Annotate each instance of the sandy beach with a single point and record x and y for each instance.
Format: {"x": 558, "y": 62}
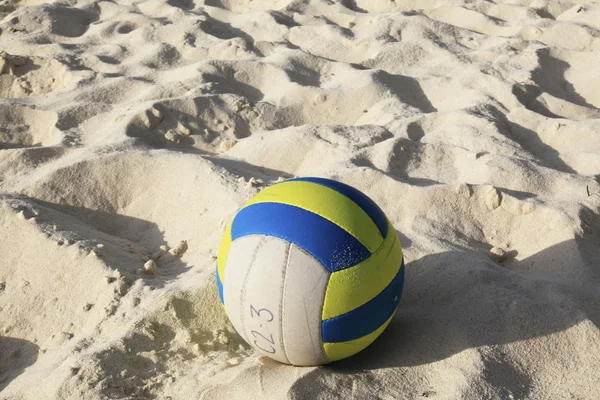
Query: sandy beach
{"x": 134, "y": 130}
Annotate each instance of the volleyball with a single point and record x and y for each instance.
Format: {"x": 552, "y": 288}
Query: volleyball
{"x": 310, "y": 271}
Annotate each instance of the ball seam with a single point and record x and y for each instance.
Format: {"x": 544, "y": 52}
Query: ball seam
{"x": 282, "y": 302}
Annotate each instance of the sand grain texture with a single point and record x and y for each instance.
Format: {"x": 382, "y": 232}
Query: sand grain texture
{"x": 132, "y": 131}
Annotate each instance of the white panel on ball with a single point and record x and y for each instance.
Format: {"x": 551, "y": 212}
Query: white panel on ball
{"x": 238, "y": 263}
{"x": 305, "y": 286}
{"x": 256, "y": 266}
{"x": 261, "y": 306}
{"x": 274, "y": 294}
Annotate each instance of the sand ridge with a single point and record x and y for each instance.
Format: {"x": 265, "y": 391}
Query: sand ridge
{"x": 132, "y": 131}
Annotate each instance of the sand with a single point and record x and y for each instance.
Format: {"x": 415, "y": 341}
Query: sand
{"x": 132, "y": 131}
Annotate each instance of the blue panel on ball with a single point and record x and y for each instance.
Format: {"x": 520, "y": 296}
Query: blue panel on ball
{"x": 365, "y": 319}
{"x": 335, "y": 248}
{"x": 361, "y": 200}
{"x": 220, "y": 286}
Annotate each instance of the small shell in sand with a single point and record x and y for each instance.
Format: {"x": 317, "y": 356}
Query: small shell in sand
{"x": 253, "y": 182}
{"x": 156, "y": 255}
{"x": 180, "y": 249}
{"x": 150, "y": 267}
{"x": 498, "y": 254}
{"x": 184, "y": 130}
{"x": 152, "y": 117}
{"x": 172, "y": 137}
